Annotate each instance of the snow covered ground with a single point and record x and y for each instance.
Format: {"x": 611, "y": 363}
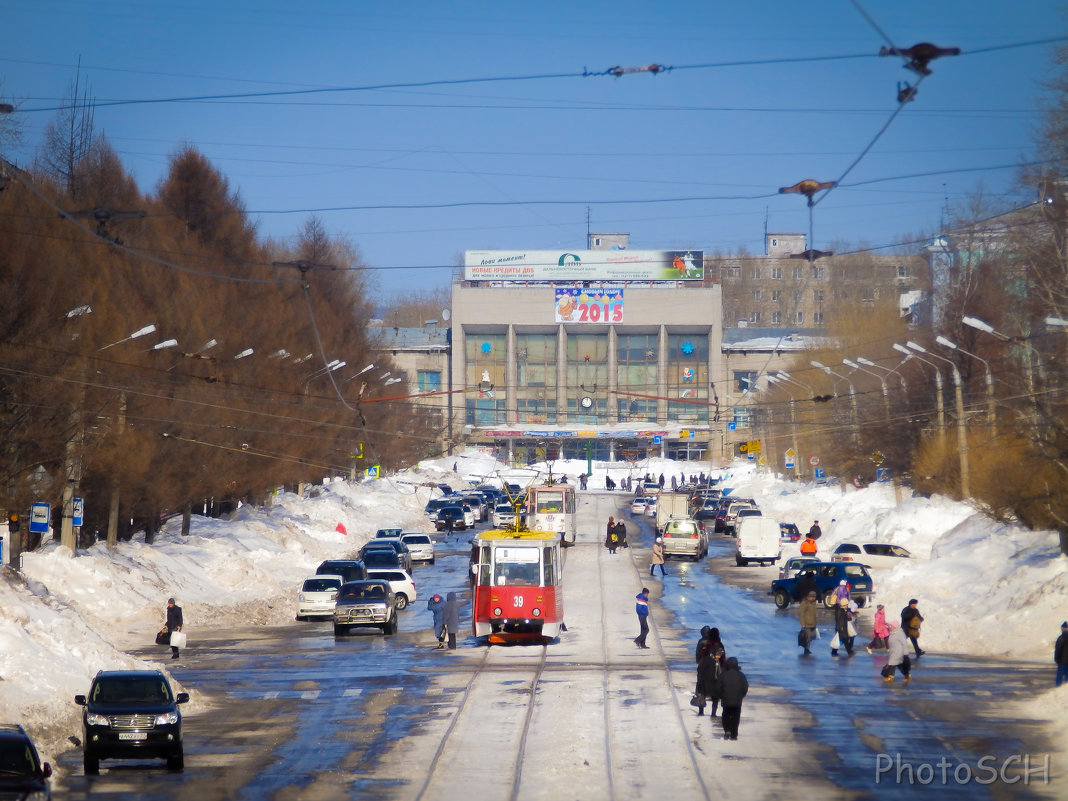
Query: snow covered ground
{"x": 984, "y": 588}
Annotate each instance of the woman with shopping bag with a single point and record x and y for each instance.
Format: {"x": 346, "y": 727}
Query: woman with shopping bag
{"x": 174, "y": 627}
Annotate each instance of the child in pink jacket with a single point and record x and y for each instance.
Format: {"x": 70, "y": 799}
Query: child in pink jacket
{"x": 882, "y": 631}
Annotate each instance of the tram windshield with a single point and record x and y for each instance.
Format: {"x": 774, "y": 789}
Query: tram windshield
{"x": 517, "y": 566}
{"x": 550, "y": 502}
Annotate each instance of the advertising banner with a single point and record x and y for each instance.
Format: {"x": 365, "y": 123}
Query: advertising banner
{"x": 584, "y": 265}
{"x": 585, "y": 305}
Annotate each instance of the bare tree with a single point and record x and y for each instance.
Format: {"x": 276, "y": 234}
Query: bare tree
{"x": 69, "y": 137}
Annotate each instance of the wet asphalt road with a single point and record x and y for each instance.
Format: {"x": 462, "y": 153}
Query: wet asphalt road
{"x": 296, "y": 714}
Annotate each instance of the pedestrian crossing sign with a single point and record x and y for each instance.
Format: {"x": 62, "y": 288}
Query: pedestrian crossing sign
{"x": 373, "y": 472}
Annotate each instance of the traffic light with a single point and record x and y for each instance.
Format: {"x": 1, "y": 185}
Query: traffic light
{"x": 13, "y": 522}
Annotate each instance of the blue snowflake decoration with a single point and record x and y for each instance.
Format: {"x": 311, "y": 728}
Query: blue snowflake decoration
{"x": 486, "y": 347}
{"x": 687, "y": 348}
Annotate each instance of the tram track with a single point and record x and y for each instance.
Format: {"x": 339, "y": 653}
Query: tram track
{"x": 488, "y": 682}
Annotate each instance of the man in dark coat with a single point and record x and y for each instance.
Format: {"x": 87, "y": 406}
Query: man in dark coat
{"x": 1060, "y": 655}
{"x": 452, "y": 618}
{"x": 910, "y": 622}
{"x": 735, "y": 686}
{"x": 641, "y": 608}
{"x": 174, "y": 623}
{"x": 815, "y": 531}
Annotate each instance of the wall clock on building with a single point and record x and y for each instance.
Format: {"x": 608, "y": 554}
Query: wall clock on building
{"x": 586, "y": 402}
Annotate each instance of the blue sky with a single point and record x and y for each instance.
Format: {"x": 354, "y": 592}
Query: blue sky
{"x": 688, "y": 158}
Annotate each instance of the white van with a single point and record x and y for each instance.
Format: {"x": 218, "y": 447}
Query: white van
{"x": 758, "y": 541}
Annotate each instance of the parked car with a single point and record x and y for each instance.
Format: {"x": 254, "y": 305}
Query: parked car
{"x": 637, "y": 506}
{"x": 795, "y": 563}
{"x": 383, "y": 559}
{"x": 365, "y": 603}
{"x": 650, "y": 507}
{"x": 131, "y": 714}
{"x": 434, "y": 506}
{"x": 386, "y": 533}
{"x": 873, "y": 554}
{"x": 707, "y": 513}
{"x": 825, "y": 576}
{"x": 22, "y": 773}
{"x": 789, "y": 532}
{"x": 731, "y": 517}
{"x": 400, "y": 581}
{"x": 451, "y": 516}
{"x": 684, "y": 537}
{"x": 503, "y": 515}
{"x": 396, "y": 543}
{"x": 317, "y": 595}
{"x": 348, "y": 569}
{"x": 479, "y": 506}
{"x": 421, "y": 546}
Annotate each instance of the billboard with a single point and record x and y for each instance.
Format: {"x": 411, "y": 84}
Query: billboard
{"x": 584, "y": 265}
{"x": 585, "y": 305}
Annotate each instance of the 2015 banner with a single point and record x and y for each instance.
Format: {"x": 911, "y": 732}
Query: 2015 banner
{"x": 603, "y": 305}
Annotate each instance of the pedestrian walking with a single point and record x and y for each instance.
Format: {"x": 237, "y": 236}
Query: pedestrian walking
{"x": 674, "y": 483}
{"x": 641, "y": 607}
{"x": 174, "y": 626}
{"x": 814, "y": 531}
{"x": 842, "y": 627}
{"x": 660, "y": 481}
{"x": 808, "y": 545}
{"x": 1060, "y": 655}
{"x": 842, "y": 592}
{"x": 621, "y": 534}
{"x": 710, "y": 671}
{"x": 702, "y": 644}
{"x": 880, "y": 631}
{"x": 657, "y": 557}
{"x": 910, "y": 622}
{"x": 452, "y": 618}
{"x": 735, "y": 686}
{"x": 582, "y": 480}
{"x": 808, "y": 617}
{"x": 436, "y": 605}
{"x": 611, "y": 537}
{"x": 899, "y": 657}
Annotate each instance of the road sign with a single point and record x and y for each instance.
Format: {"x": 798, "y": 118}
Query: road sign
{"x": 657, "y": 439}
{"x": 819, "y": 473}
{"x": 754, "y": 446}
{"x": 789, "y": 461}
{"x": 813, "y": 460}
{"x": 78, "y": 512}
{"x": 39, "y": 516}
{"x": 732, "y": 426}
{"x": 373, "y": 472}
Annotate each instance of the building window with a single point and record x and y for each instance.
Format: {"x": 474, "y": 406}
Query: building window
{"x": 901, "y": 271}
{"x": 756, "y": 295}
{"x": 867, "y": 294}
{"x": 596, "y": 241}
{"x": 776, "y": 295}
{"x": 687, "y": 378}
{"x": 756, "y": 274}
{"x": 799, "y": 317}
{"x": 818, "y": 273}
{"x": 817, "y": 318}
{"x": 430, "y": 380}
{"x": 776, "y": 273}
{"x": 817, "y": 295}
{"x": 587, "y": 360}
{"x": 797, "y": 297}
{"x": 776, "y": 318}
{"x": 742, "y": 417}
{"x": 734, "y": 271}
{"x": 755, "y": 318}
{"x": 744, "y": 380}
{"x": 799, "y": 273}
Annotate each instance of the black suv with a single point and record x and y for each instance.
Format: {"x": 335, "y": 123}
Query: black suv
{"x": 131, "y": 714}
{"x": 22, "y": 774}
{"x": 348, "y": 569}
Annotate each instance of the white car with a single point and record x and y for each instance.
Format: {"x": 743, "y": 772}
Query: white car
{"x": 400, "y": 581}
{"x": 421, "y": 546}
{"x": 637, "y": 507}
{"x": 317, "y": 596}
{"x": 873, "y": 554}
{"x": 650, "y": 507}
{"x": 503, "y": 515}
{"x": 470, "y": 515}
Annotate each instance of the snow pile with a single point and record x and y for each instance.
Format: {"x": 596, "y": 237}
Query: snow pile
{"x": 981, "y": 586}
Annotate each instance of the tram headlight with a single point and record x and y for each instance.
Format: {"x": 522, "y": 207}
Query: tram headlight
{"x": 497, "y": 611}
{"x": 536, "y": 612}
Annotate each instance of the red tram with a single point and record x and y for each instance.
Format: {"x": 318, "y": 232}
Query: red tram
{"x": 517, "y": 586}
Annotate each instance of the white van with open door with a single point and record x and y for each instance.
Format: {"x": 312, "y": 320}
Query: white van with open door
{"x": 758, "y": 541}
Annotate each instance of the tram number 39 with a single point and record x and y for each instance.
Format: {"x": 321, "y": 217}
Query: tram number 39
{"x": 517, "y": 601}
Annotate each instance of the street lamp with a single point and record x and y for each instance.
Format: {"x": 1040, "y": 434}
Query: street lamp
{"x": 986, "y": 328}
{"x": 772, "y": 381}
{"x": 244, "y": 353}
{"x": 140, "y": 332}
{"x": 991, "y": 408}
{"x": 167, "y": 343}
{"x": 938, "y": 384}
{"x": 886, "y": 393}
{"x": 852, "y": 395}
{"x": 962, "y": 424}
{"x": 889, "y": 371}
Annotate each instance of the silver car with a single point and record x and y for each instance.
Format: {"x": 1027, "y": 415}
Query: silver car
{"x": 420, "y": 546}
{"x": 317, "y": 596}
